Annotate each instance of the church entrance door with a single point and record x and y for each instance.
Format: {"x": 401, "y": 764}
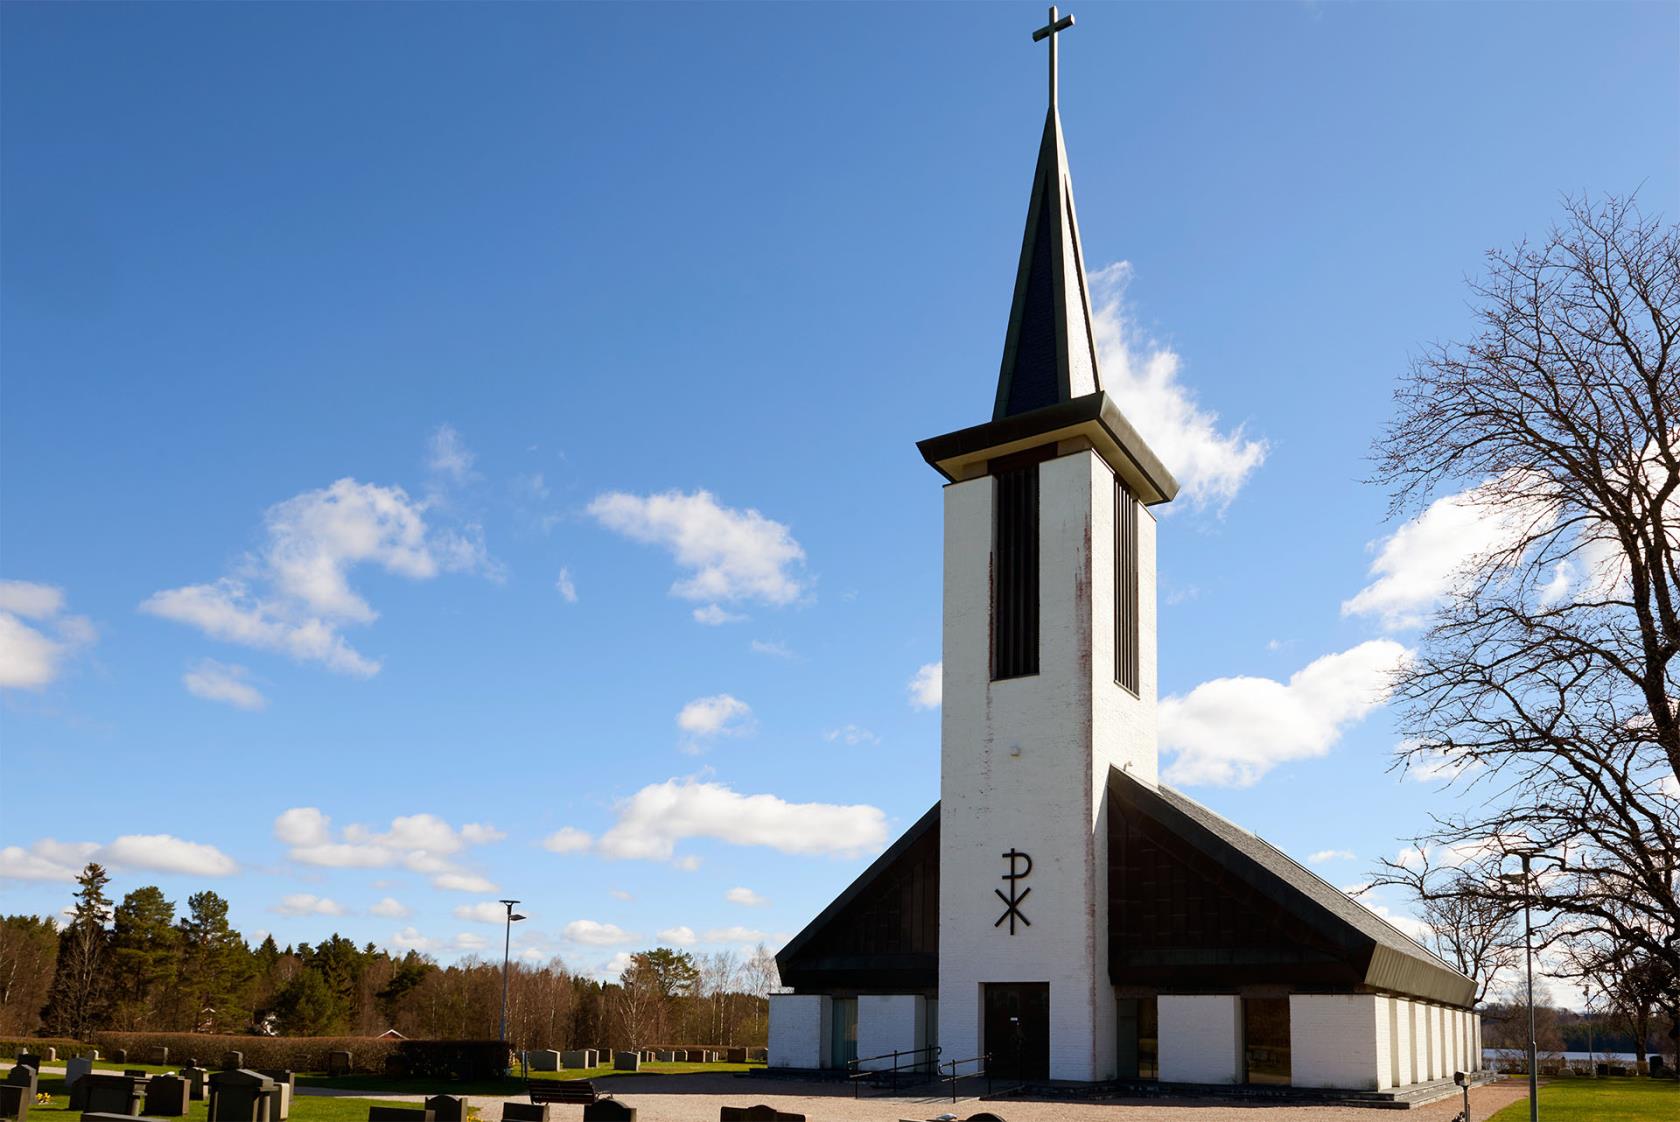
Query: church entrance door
{"x": 1018, "y": 1029}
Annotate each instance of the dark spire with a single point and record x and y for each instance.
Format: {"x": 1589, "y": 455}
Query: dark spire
{"x": 1049, "y": 353}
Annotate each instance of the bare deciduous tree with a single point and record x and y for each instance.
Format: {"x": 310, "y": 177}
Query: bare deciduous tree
{"x": 1547, "y": 681}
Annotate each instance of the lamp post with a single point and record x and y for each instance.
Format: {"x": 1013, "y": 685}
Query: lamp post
{"x": 1528, "y": 952}
{"x": 507, "y": 945}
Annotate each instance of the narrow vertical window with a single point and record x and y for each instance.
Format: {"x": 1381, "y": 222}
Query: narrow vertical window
{"x": 1015, "y": 580}
{"x": 1125, "y": 587}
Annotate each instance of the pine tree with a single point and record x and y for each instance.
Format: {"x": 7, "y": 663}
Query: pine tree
{"x": 77, "y": 1002}
{"x": 145, "y": 957}
{"x": 216, "y": 967}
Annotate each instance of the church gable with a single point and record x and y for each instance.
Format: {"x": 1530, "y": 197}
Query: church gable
{"x": 881, "y": 935}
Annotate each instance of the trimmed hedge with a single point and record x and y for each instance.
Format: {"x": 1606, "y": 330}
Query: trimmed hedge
{"x": 9, "y": 1049}
{"x": 451, "y": 1059}
{"x": 293, "y": 1053}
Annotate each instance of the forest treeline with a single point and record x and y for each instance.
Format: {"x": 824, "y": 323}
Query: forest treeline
{"x": 135, "y": 965}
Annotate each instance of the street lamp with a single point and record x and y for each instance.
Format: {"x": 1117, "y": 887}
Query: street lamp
{"x": 1528, "y": 950}
{"x": 507, "y": 944}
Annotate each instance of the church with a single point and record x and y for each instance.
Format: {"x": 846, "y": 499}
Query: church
{"x": 1059, "y": 914}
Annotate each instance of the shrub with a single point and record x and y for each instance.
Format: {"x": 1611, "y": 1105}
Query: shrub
{"x": 9, "y": 1049}
{"x": 293, "y": 1053}
{"x": 453, "y": 1059}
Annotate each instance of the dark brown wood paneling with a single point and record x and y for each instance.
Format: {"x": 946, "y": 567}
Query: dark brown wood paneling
{"x": 1015, "y": 571}
{"x": 1126, "y": 624}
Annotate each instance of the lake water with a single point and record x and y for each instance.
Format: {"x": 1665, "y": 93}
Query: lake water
{"x": 1573, "y": 1057}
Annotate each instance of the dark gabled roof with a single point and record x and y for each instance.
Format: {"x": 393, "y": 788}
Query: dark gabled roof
{"x": 850, "y": 945}
{"x": 1392, "y": 960}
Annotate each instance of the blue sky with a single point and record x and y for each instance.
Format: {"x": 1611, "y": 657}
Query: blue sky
{"x": 461, "y": 451}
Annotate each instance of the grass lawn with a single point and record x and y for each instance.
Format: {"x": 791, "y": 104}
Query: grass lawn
{"x": 1601, "y": 1100}
{"x": 304, "y": 1108}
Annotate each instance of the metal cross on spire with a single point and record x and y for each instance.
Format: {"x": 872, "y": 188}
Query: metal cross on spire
{"x": 1049, "y": 31}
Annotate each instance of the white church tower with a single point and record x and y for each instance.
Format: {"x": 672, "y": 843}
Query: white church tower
{"x": 1049, "y": 667}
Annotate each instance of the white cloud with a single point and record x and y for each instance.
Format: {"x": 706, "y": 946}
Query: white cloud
{"x": 619, "y": 894}
{"x": 463, "y": 882}
{"x": 713, "y": 616}
{"x": 1435, "y": 765}
{"x": 688, "y": 863}
{"x": 29, "y": 658}
{"x": 468, "y": 941}
{"x": 745, "y": 897}
{"x": 295, "y": 596}
{"x": 422, "y": 843}
{"x": 772, "y": 649}
{"x": 653, "y": 820}
{"x": 927, "y": 686}
{"x": 390, "y": 908}
{"x": 485, "y": 911}
{"x": 851, "y": 734}
{"x": 568, "y": 839}
{"x": 1427, "y": 560}
{"x": 1324, "y": 855}
{"x": 1231, "y": 731}
{"x": 307, "y": 904}
{"x": 410, "y": 939}
{"x": 216, "y": 681}
{"x": 48, "y": 859}
{"x": 448, "y": 455}
{"x": 614, "y": 967}
{"x": 563, "y": 585}
{"x": 732, "y": 554}
{"x": 719, "y": 715}
{"x": 592, "y": 934}
{"x": 1210, "y": 465}
{"x": 680, "y": 936}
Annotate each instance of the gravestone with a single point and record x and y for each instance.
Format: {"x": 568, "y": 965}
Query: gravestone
{"x": 110, "y": 1094}
{"x": 627, "y": 1061}
{"x": 338, "y": 1063}
{"x": 17, "y": 1093}
{"x": 49, "y": 1054}
{"x": 195, "y": 1077}
{"x": 29, "y": 1059}
{"x": 167, "y": 1096}
{"x": 241, "y": 1096}
{"x": 592, "y": 1057}
{"x": 666, "y": 1057}
{"x": 93, "y": 1054}
{"x": 736, "y": 1055}
{"x": 573, "y": 1059}
{"x": 543, "y": 1059}
{"x": 609, "y": 1110}
{"x": 157, "y": 1054}
{"x": 233, "y": 1061}
{"x": 448, "y": 1108}
{"x": 76, "y": 1067}
{"x": 285, "y": 1088}
{"x": 525, "y": 1112}
{"x": 119, "y": 1055}
{"x": 1659, "y": 1067}
{"x": 399, "y": 1114}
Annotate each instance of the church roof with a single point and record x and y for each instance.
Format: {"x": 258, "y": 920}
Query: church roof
{"x": 1050, "y": 349}
{"x": 1391, "y": 959}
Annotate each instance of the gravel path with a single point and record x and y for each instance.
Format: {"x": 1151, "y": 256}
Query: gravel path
{"x": 696, "y": 1098}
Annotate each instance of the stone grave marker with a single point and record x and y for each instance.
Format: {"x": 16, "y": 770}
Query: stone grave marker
{"x": 665, "y": 1057}
{"x": 447, "y": 1108}
{"x": 195, "y": 1082}
{"x": 543, "y": 1059}
{"x": 167, "y": 1096}
{"x": 111, "y": 1094}
{"x": 736, "y": 1055}
{"x": 17, "y": 1093}
{"x": 338, "y": 1063}
{"x": 157, "y": 1054}
{"x": 233, "y": 1061}
{"x": 76, "y": 1067}
{"x": 627, "y": 1061}
{"x": 573, "y": 1059}
{"x": 29, "y": 1059}
{"x": 241, "y": 1096}
{"x": 525, "y": 1112}
{"x": 49, "y": 1054}
{"x": 119, "y": 1055}
{"x": 608, "y": 1110}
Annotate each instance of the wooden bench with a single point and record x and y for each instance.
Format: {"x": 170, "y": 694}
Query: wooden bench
{"x": 562, "y": 1091}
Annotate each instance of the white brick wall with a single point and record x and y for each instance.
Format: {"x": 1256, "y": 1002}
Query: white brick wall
{"x": 894, "y": 1023}
{"x": 799, "y": 1029}
{"x": 1339, "y": 1040}
{"x": 1400, "y": 1043}
{"x": 1476, "y": 1022}
{"x": 1437, "y": 1041}
{"x": 1200, "y": 1038}
{"x": 1024, "y": 764}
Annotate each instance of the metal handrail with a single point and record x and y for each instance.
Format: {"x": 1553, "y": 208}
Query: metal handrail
{"x": 857, "y": 1073}
{"x": 985, "y": 1070}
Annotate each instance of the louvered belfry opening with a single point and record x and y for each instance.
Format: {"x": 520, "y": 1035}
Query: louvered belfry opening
{"x": 1126, "y": 587}
{"x": 1015, "y": 564}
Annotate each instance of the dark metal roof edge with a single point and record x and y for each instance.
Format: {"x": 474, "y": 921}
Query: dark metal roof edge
{"x": 1096, "y": 407}
{"x": 880, "y": 865}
